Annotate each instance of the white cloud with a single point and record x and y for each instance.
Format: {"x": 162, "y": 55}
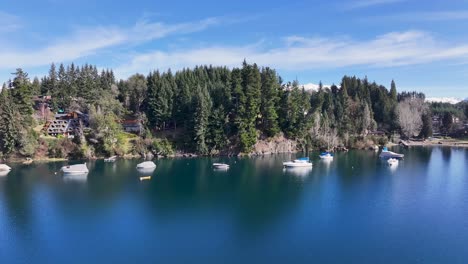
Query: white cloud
{"x": 86, "y": 41}
{"x": 369, "y": 3}
{"x": 299, "y": 53}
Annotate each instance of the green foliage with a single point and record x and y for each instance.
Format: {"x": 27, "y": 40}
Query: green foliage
{"x": 63, "y": 148}
{"x": 107, "y": 130}
{"x": 162, "y": 147}
{"x": 269, "y": 102}
{"x": 9, "y": 128}
{"x": 447, "y": 122}
{"x": 426, "y": 130}
{"x": 205, "y": 109}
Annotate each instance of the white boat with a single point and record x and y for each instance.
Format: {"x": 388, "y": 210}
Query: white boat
{"x": 146, "y": 165}
{"x": 111, "y": 159}
{"x": 4, "y": 167}
{"x": 301, "y": 162}
{"x": 75, "y": 169}
{"x": 220, "y": 166}
{"x": 386, "y": 154}
{"x": 392, "y": 162}
{"x": 326, "y": 155}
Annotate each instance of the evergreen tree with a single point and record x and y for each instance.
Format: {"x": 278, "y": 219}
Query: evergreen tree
{"x": 9, "y": 132}
{"x": 202, "y": 109}
{"x": 251, "y": 84}
{"x": 269, "y": 101}
{"x": 426, "y": 130}
{"x": 447, "y": 122}
{"x": 22, "y": 93}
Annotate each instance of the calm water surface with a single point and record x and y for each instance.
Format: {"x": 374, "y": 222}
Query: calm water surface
{"x": 354, "y": 209}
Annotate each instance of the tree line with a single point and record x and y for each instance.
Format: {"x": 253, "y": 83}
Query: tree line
{"x": 210, "y": 109}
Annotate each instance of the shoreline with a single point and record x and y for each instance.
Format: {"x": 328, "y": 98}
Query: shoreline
{"x": 436, "y": 143}
{"x": 409, "y": 143}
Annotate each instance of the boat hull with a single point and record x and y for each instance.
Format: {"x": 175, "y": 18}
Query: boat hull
{"x": 291, "y": 164}
{"x": 4, "y": 167}
{"x": 220, "y": 166}
{"x": 146, "y": 165}
{"x": 79, "y": 169}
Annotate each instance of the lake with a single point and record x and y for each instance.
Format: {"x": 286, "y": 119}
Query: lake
{"x": 354, "y": 209}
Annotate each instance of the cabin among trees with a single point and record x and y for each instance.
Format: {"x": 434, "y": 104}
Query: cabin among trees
{"x": 132, "y": 125}
{"x": 67, "y": 125}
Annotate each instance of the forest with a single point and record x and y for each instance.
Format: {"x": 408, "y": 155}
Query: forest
{"x": 207, "y": 110}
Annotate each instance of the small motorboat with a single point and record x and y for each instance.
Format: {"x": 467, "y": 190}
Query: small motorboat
{"x": 326, "y": 155}
{"x": 392, "y": 162}
{"x": 111, "y": 159}
{"x": 76, "y": 169}
{"x": 221, "y": 166}
{"x": 4, "y": 167}
{"x": 146, "y": 165}
{"x": 301, "y": 162}
{"x": 386, "y": 154}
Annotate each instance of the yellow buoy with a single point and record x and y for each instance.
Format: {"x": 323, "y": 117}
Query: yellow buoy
{"x": 145, "y": 178}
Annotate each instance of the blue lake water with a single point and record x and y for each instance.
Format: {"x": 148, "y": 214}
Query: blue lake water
{"x": 355, "y": 209}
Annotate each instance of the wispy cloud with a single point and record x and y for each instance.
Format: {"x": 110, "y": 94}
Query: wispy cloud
{"x": 9, "y": 22}
{"x": 87, "y": 41}
{"x": 369, "y": 3}
{"x": 427, "y": 16}
{"x": 298, "y": 53}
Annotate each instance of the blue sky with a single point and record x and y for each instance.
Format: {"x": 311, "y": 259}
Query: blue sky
{"x": 423, "y": 45}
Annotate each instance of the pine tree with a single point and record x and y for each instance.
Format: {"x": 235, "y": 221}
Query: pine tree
{"x": 22, "y": 93}
{"x": 9, "y": 132}
{"x": 426, "y": 130}
{"x": 202, "y": 109}
{"x": 251, "y": 84}
{"x": 269, "y": 101}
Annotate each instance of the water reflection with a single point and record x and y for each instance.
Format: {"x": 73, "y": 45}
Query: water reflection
{"x": 146, "y": 170}
{"x": 298, "y": 171}
{"x": 75, "y": 177}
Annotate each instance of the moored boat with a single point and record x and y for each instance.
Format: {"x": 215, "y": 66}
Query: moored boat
{"x": 301, "y": 162}
{"x": 221, "y": 166}
{"x": 75, "y": 169}
{"x": 146, "y": 165}
{"x": 326, "y": 155}
{"x": 386, "y": 154}
{"x": 4, "y": 167}
{"x": 111, "y": 159}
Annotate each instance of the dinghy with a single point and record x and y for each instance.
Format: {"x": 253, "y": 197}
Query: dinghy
{"x": 326, "y": 155}
{"x": 77, "y": 169}
{"x": 146, "y": 165}
{"x": 386, "y": 154}
{"x": 111, "y": 159}
{"x": 4, "y": 167}
{"x": 301, "y": 162}
{"x": 221, "y": 166}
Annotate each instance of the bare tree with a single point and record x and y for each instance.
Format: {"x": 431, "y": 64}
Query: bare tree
{"x": 409, "y": 113}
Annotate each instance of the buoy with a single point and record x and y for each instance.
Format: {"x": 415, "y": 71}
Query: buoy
{"x": 145, "y": 178}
